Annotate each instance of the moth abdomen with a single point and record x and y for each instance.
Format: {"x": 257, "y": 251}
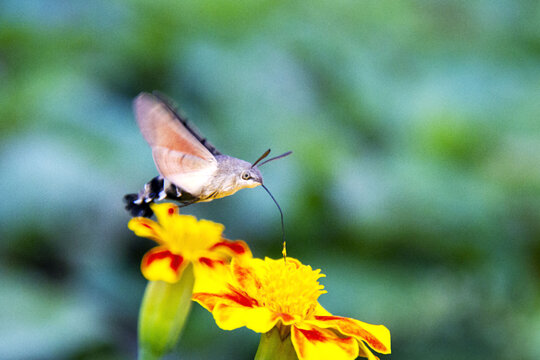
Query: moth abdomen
{"x": 135, "y": 208}
{"x": 155, "y": 190}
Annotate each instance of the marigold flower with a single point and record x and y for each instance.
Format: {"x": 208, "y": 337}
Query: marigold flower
{"x": 265, "y": 295}
{"x": 182, "y": 240}
{"x": 188, "y": 250}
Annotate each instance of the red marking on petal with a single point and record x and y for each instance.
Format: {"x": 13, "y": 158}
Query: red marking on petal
{"x": 242, "y": 274}
{"x": 175, "y": 260}
{"x": 235, "y": 247}
{"x": 206, "y": 261}
{"x": 236, "y": 296}
{"x": 316, "y": 335}
{"x": 171, "y": 211}
{"x": 147, "y": 226}
{"x": 326, "y": 318}
{"x": 313, "y": 335}
{"x": 285, "y": 317}
{"x": 241, "y": 298}
{"x": 245, "y": 277}
{"x": 209, "y": 262}
{"x": 347, "y": 326}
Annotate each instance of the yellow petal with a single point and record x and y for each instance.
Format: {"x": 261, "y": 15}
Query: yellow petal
{"x": 189, "y": 235}
{"x": 160, "y": 264}
{"x": 376, "y": 336}
{"x": 211, "y": 276}
{"x": 231, "y": 297}
{"x": 165, "y": 213}
{"x": 207, "y": 233}
{"x": 287, "y": 319}
{"x": 321, "y": 311}
{"x": 248, "y": 272}
{"x": 312, "y": 343}
{"x": 365, "y": 352}
{"x": 258, "y": 319}
{"x": 206, "y": 300}
{"x": 147, "y": 228}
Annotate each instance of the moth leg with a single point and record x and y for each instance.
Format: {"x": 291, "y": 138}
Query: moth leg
{"x": 186, "y": 203}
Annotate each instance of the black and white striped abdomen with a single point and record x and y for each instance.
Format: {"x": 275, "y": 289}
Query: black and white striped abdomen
{"x": 155, "y": 190}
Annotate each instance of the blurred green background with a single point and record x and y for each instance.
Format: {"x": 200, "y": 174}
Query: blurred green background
{"x": 414, "y": 184}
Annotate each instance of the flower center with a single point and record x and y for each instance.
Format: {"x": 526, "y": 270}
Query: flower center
{"x": 289, "y": 287}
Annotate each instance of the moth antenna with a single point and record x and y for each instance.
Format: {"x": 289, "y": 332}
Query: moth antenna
{"x": 262, "y": 157}
{"x": 282, "y": 225}
{"x": 276, "y": 157}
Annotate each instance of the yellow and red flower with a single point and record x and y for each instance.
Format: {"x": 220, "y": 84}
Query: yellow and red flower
{"x": 183, "y": 240}
{"x": 266, "y": 294}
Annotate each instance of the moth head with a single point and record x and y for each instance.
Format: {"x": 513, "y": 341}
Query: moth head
{"x": 250, "y": 177}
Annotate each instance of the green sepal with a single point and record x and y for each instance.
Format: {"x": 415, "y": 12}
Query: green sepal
{"x": 164, "y": 310}
{"x": 276, "y": 345}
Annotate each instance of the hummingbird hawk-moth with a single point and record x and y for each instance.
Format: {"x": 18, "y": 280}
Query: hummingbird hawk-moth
{"x": 190, "y": 168}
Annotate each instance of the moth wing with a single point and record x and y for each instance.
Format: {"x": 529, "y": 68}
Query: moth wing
{"x": 164, "y": 99}
{"x": 189, "y": 172}
{"x": 160, "y": 127}
{"x": 179, "y": 156}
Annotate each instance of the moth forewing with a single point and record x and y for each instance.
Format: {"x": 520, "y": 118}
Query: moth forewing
{"x": 160, "y": 127}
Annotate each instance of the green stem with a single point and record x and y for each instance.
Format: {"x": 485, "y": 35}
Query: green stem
{"x": 272, "y": 346}
{"x": 163, "y": 313}
{"x": 147, "y": 354}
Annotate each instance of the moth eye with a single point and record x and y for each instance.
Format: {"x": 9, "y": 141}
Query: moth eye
{"x": 245, "y": 176}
